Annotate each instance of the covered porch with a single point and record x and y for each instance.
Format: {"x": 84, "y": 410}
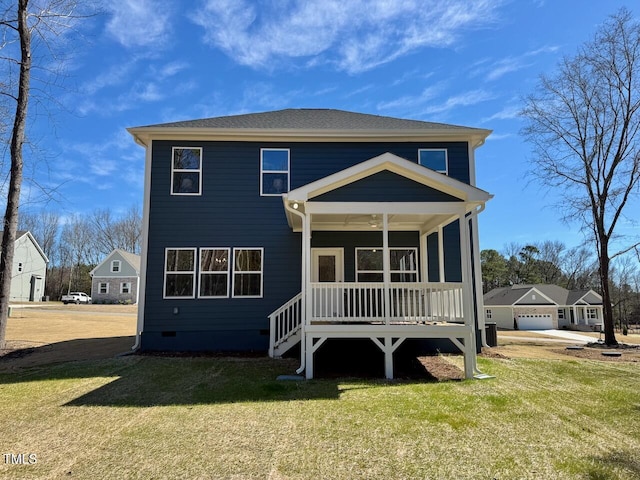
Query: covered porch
{"x": 383, "y": 289}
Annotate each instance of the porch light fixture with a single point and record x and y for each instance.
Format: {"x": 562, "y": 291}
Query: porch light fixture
{"x": 295, "y": 205}
{"x": 373, "y": 223}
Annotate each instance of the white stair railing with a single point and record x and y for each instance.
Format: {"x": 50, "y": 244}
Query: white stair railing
{"x": 285, "y": 322}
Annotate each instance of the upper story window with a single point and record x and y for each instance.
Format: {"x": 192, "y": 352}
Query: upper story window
{"x": 115, "y": 266}
{"x": 186, "y": 171}
{"x": 274, "y": 171}
{"x": 435, "y": 159}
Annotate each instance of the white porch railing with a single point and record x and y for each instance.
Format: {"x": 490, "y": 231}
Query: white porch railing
{"x": 285, "y": 322}
{"x": 388, "y": 303}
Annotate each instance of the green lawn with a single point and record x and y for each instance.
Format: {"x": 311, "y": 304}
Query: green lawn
{"x": 153, "y": 417}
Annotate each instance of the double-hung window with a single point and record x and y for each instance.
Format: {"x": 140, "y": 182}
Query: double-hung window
{"x": 186, "y": 171}
{"x": 274, "y": 171}
{"x": 180, "y": 273}
{"x": 403, "y": 265}
{"x": 125, "y": 287}
{"x": 103, "y": 288}
{"x": 435, "y": 159}
{"x": 247, "y": 272}
{"x": 592, "y": 313}
{"x": 115, "y": 266}
{"x": 214, "y": 273}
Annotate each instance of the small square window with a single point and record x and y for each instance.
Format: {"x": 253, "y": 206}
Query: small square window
{"x": 274, "y": 171}
{"x": 115, "y": 266}
{"x": 186, "y": 171}
{"x": 435, "y": 159}
{"x": 489, "y": 314}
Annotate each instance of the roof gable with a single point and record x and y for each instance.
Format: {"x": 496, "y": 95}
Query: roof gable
{"x": 27, "y": 235}
{"x": 521, "y": 294}
{"x": 131, "y": 259}
{"x": 394, "y": 164}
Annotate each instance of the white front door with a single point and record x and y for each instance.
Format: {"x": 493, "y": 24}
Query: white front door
{"x": 327, "y": 266}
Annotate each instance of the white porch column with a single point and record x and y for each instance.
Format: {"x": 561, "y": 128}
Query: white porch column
{"x": 306, "y": 343}
{"x": 386, "y": 275}
{"x": 424, "y": 257}
{"x": 467, "y": 301}
{"x": 441, "y": 254}
{"x": 477, "y": 268}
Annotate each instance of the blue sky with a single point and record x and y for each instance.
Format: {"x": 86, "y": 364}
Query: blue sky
{"x": 465, "y": 62}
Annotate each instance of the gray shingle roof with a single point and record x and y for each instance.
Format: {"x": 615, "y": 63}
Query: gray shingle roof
{"x": 509, "y": 295}
{"x": 312, "y": 119}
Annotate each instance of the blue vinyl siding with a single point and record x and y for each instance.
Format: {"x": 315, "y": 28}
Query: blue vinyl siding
{"x": 385, "y": 186}
{"x": 231, "y": 213}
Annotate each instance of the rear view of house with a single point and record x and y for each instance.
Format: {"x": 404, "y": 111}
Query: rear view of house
{"x": 116, "y": 279}
{"x": 301, "y": 226}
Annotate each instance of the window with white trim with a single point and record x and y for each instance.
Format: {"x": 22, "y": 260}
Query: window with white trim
{"x": 115, "y": 266}
{"x": 403, "y": 265}
{"x": 274, "y": 171}
{"x": 488, "y": 314}
{"x": 180, "y": 273}
{"x": 561, "y": 314}
{"x": 592, "y": 313}
{"x": 435, "y": 159}
{"x": 186, "y": 171}
{"x": 247, "y": 272}
{"x": 214, "y": 273}
{"x": 125, "y": 287}
{"x": 103, "y": 288}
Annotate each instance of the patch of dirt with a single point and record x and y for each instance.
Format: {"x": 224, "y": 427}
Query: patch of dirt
{"x": 594, "y": 351}
{"x": 440, "y": 369}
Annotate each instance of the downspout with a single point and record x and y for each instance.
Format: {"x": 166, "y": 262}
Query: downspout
{"x": 303, "y": 287}
{"x": 142, "y": 283}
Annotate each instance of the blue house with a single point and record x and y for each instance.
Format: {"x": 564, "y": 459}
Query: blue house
{"x": 298, "y": 226}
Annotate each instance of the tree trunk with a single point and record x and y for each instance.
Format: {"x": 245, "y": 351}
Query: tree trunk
{"x": 15, "y": 179}
{"x": 607, "y": 308}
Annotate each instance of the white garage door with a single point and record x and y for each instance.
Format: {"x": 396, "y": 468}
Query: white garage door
{"x": 536, "y": 321}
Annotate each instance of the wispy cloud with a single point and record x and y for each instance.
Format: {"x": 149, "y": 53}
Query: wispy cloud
{"x": 413, "y": 101}
{"x": 493, "y": 70}
{"x": 507, "y": 113}
{"x": 465, "y": 99}
{"x": 354, "y": 35}
{"x": 139, "y": 23}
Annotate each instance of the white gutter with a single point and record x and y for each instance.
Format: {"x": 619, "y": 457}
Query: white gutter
{"x": 303, "y": 288}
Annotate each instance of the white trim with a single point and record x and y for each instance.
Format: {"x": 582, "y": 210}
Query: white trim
{"x": 181, "y": 272}
{"x": 446, "y": 159}
{"x": 287, "y": 171}
{"x": 261, "y": 272}
{"x": 535, "y": 290}
{"x": 100, "y": 288}
{"x": 387, "y": 259}
{"x": 215, "y": 272}
{"x": 113, "y": 264}
{"x": 180, "y": 170}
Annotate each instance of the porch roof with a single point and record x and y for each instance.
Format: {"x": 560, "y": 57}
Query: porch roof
{"x": 363, "y": 215}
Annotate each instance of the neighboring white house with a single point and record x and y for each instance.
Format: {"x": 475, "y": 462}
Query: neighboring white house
{"x": 539, "y": 307}
{"x": 29, "y": 269}
{"x": 116, "y": 279}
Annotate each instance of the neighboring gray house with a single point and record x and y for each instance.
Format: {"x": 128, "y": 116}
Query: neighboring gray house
{"x": 116, "y": 278}
{"x": 29, "y": 269}
{"x": 540, "y": 307}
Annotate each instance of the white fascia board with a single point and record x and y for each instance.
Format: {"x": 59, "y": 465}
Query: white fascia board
{"x": 143, "y": 135}
{"x": 365, "y": 208}
{"x": 35, "y": 244}
{"x": 394, "y": 164}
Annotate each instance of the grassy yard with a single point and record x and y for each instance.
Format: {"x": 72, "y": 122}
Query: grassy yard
{"x": 156, "y": 417}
